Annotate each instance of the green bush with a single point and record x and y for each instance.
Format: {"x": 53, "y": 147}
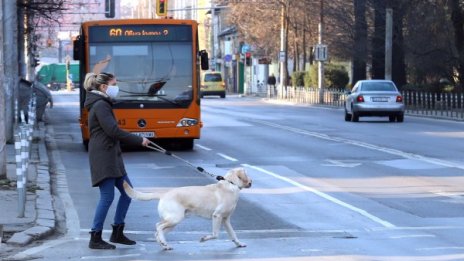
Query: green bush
{"x": 336, "y": 76}
{"x": 298, "y": 78}
{"x": 310, "y": 78}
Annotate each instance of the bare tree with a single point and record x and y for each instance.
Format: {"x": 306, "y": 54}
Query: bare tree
{"x": 359, "y": 59}
{"x": 456, "y": 9}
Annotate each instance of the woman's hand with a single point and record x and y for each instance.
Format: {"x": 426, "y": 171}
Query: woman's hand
{"x": 145, "y": 142}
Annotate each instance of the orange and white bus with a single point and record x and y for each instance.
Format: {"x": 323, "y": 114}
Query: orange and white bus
{"x": 157, "y": 63}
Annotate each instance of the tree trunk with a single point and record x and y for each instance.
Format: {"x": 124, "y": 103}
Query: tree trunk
{"x": 378, "y": 40}
{"x": 360, "y": 41}
{"x": 304, "y": 45}
{"x": 457, "y": 17}
{"x": 398, "y": 63}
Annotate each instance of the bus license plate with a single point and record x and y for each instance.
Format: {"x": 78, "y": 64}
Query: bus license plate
{"x": 145, "y": 134}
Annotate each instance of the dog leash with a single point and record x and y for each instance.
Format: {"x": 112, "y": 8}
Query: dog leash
{"x": 158, "y": 148}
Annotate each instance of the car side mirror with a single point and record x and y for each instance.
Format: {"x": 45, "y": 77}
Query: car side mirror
{"x": 204, "y": 60}
{"x": 77, "y": 48}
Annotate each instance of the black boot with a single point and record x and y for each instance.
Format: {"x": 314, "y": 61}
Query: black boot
{"x": 96, "y": 241}
{"x": 118, "y": 236}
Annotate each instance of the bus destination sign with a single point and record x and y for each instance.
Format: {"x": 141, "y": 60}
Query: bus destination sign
{"x": 139, "y": 33}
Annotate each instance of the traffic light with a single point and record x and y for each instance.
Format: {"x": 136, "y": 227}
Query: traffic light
{"x": 248, "y": 59}
{"x": 109, "y": 9}
{"x": 162, "y": 7}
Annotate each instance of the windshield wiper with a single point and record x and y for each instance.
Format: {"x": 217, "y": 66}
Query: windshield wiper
{"x": 155, "y": 95}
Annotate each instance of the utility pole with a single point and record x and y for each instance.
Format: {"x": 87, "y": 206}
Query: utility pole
{"x": 11, "y": 72}
{"x": 388, "y": 43}
{"x": 320, "y": 71}
{"x": 283, "y": 51}
{"x": 3, "y": 159}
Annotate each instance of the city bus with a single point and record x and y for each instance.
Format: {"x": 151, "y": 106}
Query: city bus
{"x": 157, "y": 64}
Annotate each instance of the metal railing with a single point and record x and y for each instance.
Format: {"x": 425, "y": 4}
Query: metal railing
{"x": 427, "y": 104}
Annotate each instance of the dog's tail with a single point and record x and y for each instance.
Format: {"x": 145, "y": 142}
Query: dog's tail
{"x": 134, "y": 194}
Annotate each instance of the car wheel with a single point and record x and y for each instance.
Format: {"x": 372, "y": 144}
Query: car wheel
{"x": 347, "y": 116}
{"x": 354, "y": 117}
{"x": 400, "y": 118}
{"x": 223, "y": 95}
{"x": 391, "y": 118}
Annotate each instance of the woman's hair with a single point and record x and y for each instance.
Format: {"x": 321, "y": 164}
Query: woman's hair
{"x": 93, "y": 81}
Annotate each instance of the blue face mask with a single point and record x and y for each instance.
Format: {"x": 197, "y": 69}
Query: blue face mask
{"x": 112, "y": 91}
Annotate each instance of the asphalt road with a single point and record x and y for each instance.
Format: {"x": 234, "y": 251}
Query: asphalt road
{"x": 323, "y": 188}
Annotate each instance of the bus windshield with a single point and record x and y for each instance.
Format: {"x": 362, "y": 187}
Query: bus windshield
{"x": 158, "y": 72}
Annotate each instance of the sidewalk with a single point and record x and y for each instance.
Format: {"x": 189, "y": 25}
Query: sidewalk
{"x": 39, "y": 218}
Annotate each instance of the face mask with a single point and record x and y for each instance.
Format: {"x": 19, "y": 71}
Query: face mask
{"x": 112, "y": 91}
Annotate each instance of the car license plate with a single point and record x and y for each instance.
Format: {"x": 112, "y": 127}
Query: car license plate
{"x": 379, "y": 99}
{"x": 148, "y": 134}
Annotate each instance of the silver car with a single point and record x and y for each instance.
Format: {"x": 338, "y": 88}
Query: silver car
{"x": 374, "y": 98}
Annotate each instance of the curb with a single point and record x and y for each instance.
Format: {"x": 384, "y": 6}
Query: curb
{"x": 45, "y": 221}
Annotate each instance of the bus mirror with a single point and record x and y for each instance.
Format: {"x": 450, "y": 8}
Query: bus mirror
{"x": 204, "y": 60}
{"x": 76, "y": 49}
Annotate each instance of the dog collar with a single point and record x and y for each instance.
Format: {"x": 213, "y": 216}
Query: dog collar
{"x": 219, "y": 178}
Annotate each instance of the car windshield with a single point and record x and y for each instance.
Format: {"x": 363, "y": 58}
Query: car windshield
{"x": 213, "y": 77}
{"x": 160, "y": 72}
{"x": 378, "y": 86}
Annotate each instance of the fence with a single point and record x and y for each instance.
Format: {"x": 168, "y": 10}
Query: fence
{"x": 23, "y": 139}
{"x": 437, "y": 105}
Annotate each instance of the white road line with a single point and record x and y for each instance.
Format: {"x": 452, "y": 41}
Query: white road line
{"x": 453, "y": 195}
{"x": 439, "y": 248}
{"x": 113, "y": 257}
{"x": 391, "y": 151}
{"x": 325, "y": 196}
{"x": 411, "y": 236}
{"x": 227, "y": 157}
{"x": 202, "y": 147}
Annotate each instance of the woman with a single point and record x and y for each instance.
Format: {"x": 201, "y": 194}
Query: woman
{"x": 106, "y": 164}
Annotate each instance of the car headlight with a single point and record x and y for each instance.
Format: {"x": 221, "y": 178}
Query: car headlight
{"x": 187, "y": 122}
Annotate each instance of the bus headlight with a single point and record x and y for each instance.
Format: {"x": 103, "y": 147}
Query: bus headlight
{"x": 187, "y": 122}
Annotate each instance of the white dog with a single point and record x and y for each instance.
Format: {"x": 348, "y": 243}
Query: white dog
{"x": 214, "y": 201}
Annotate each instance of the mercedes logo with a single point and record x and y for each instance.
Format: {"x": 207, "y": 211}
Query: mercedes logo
{"x": 142, "y": 123}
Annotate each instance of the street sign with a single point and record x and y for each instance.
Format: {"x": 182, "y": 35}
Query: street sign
{"x": 320, "y": 52}
{"x": 246, "y": 48}
{"x": 282, "y": 56}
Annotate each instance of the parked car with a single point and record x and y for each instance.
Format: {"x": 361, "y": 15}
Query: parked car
{"x": 212, "y": 84}
{"x": 374, "y": 98}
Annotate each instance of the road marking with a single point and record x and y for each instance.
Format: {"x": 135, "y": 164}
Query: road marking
{"x": 325, "y": 196}
{"x": 113, "y": 257}
{"x": 227, "y": 157}
{"x": 439, "y": 248}
{"x": 337, "y": 163}
{"x": 202, "y": 147}
{"x": 411, "y": 236}
{"x": 396, "y": 152}
{"x": 453, "y": 195}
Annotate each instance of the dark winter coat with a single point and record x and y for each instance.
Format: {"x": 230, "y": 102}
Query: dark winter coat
{"x": 105, "y": 135}
{"x": 271, "y": 80}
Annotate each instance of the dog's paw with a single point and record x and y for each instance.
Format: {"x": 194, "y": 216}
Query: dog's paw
{"x": 206, "y": 238}
{"x": 166, "y": 247}
{"x": 239, "y": 244}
